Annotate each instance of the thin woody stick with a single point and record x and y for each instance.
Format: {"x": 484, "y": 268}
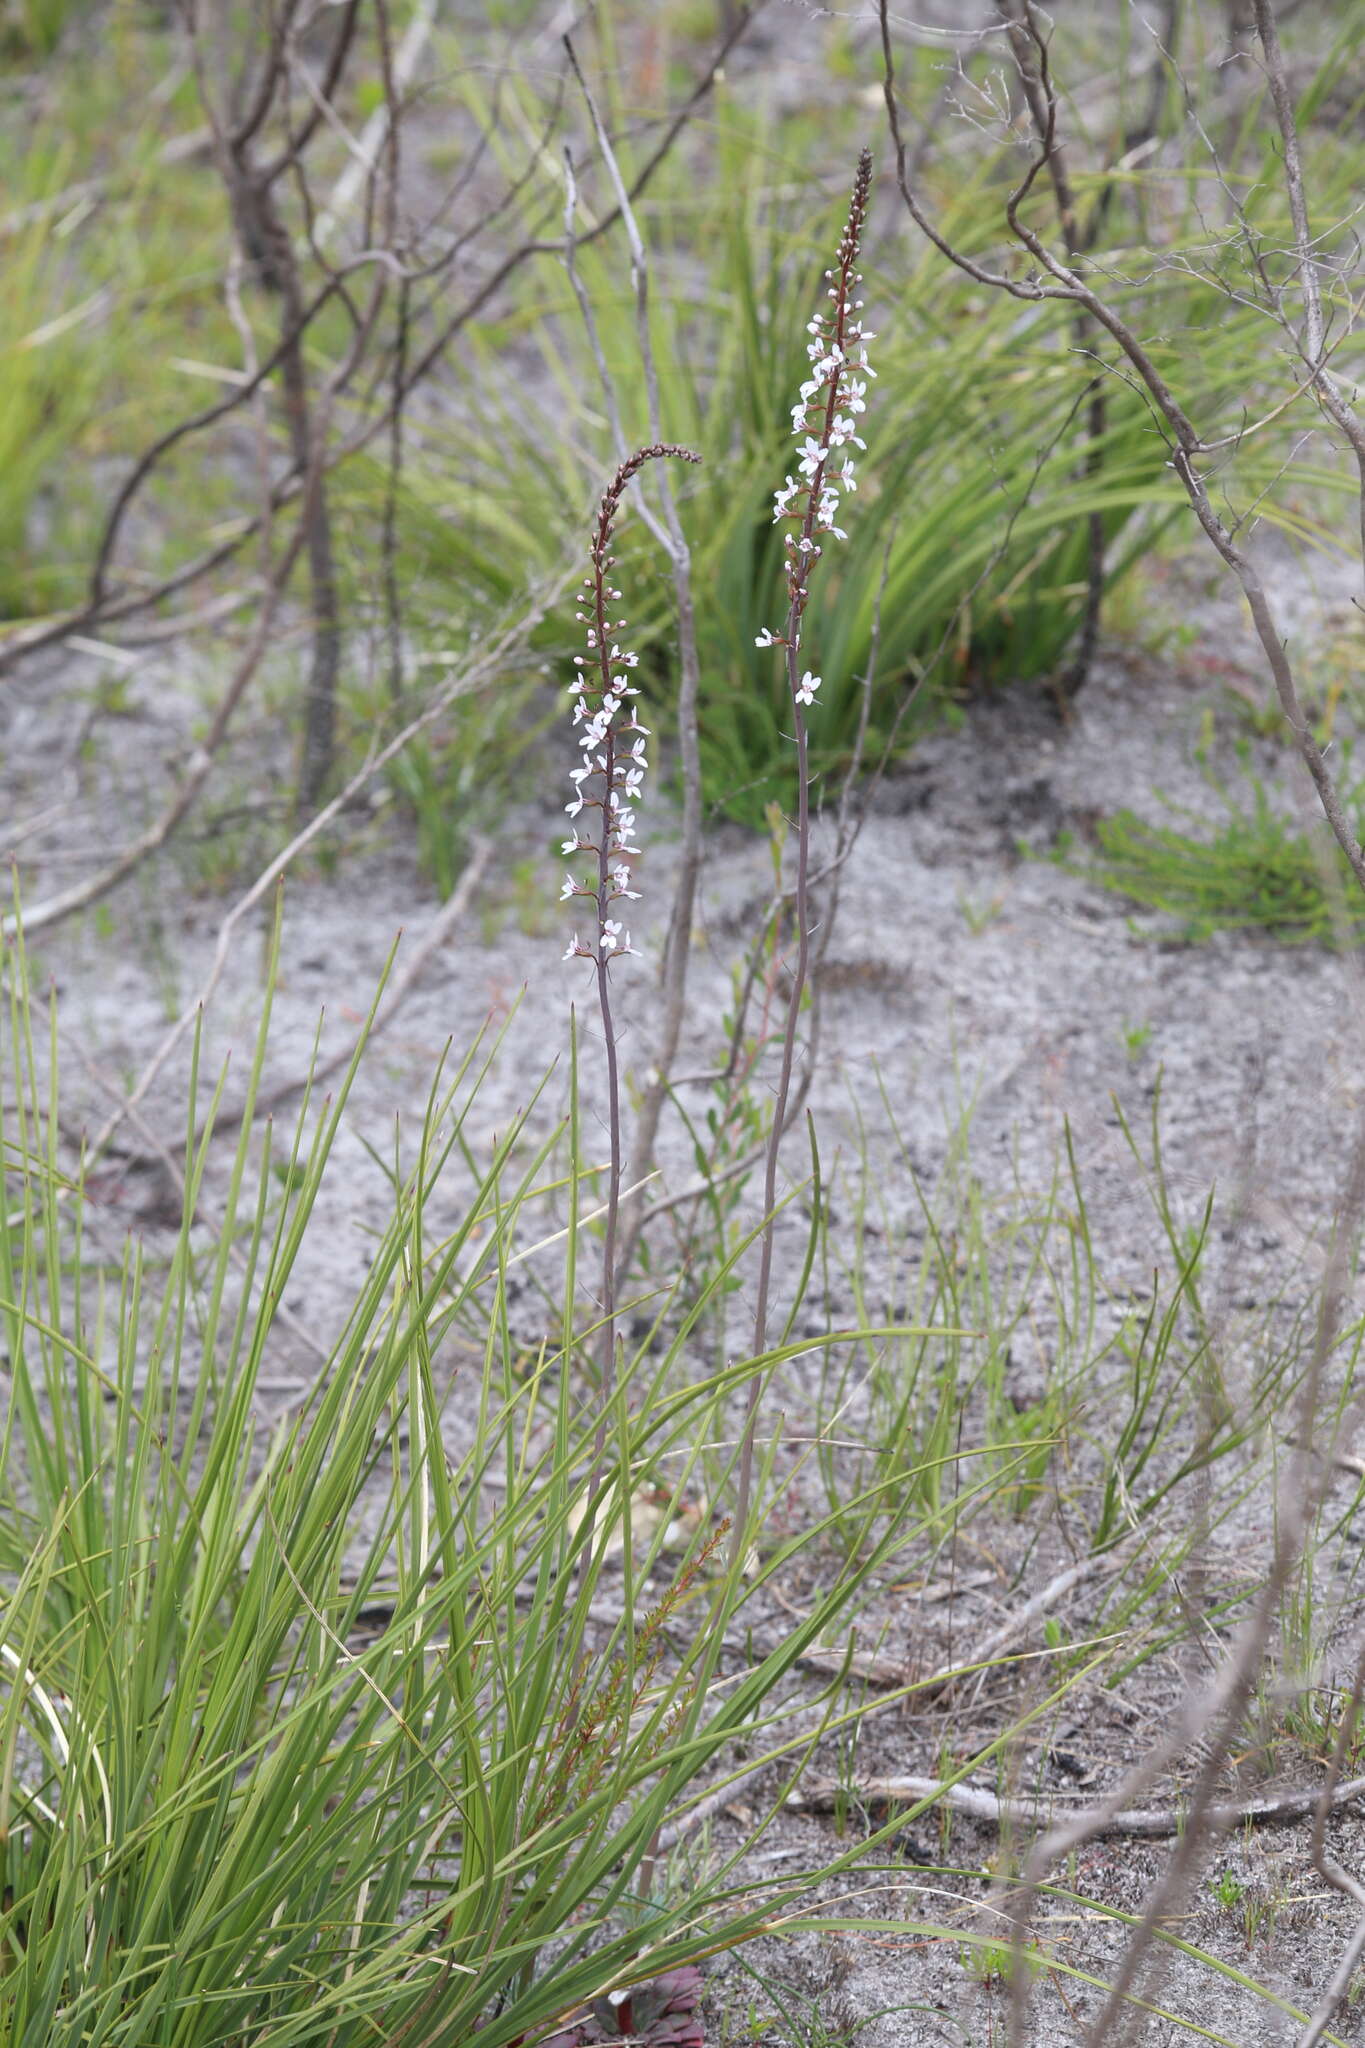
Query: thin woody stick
{"x": 1187, "y": 446}
{"x": 503, "y": 649}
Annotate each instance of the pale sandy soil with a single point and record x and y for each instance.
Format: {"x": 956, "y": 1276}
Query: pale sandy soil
{"x": 961, "y": 973}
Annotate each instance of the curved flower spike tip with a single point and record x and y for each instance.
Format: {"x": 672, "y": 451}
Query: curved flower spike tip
{"x": 610, "y": 777}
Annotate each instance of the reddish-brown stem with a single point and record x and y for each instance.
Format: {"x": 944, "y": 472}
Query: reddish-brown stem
{"x": 603, "y": 768}
{"x": 602, "y": 561}
{"x": 802, "y": 555}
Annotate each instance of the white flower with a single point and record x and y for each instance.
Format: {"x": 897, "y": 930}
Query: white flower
{"x": 782, "y": 499}
{"x": 767, "y": 638}
{"x": 806, "y": 689}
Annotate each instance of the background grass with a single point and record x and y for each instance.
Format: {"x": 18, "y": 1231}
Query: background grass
{"x": 969, "y": 555}
{"x": 1249, "y": 866}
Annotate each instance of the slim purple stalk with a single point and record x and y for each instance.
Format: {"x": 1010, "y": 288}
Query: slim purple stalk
{"x": 837, "y": 395}
{"x": 609, "y": 780}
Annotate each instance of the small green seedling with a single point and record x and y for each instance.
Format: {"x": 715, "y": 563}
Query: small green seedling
{"x": 1136, "y": 1039}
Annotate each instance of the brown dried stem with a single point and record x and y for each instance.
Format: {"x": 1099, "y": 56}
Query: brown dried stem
{"x": 1187, "y": 447}
{"x": 490, "y": 661}
{"x": 103, "y": 605}
{"x": 1216, "y": 1717}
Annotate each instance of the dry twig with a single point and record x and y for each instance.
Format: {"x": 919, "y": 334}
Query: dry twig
{"x": 1064, "y": 282}
{"x": 1091, "y": 1822}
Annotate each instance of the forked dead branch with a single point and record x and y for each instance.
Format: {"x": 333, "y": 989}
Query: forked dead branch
{"x": 1055, "y": 277}
{"x": 351, "y": 255}
{"x": 1295, "y": 297}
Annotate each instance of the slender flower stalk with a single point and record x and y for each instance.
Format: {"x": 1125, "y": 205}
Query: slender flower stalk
{"x": 608, "y": 781}
{"x": 825, "y": 420}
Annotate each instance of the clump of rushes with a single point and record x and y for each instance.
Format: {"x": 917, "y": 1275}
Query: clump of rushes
{"x": 608, "y": 781}
{"x": 825, "y": 418}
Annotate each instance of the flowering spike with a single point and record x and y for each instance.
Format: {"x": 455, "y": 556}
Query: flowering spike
{"x": 825, "y": 420}
{"x": 610, "y": 778}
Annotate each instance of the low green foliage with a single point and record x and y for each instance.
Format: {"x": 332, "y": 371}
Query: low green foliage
{"x": 113, "y": 284}
{"x": 32, "y": 28}
{"x": 49, "y": 379}
{"x": 942, "y": 1412}
{"x": 1246, "y": 865}
{"x": 968, "y": 562}
{"x": 315, "y": 1729}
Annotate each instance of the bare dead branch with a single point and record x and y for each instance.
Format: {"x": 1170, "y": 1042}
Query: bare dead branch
{"x": 82, "y": 894}
{"x": 494, "y": 655}
{"x": 1313, "y": 341}
{"x": 268, "y": 244}
{"x": 102, "y": 607}
{"x": 400, "y": 986}
{"x": 1154, "y": 1823}
{"x": 1187, "y": 446}
{"x": 289, "y": 155}
{"x": 1331, "y": 1871}
{"x": 381, "y": 130}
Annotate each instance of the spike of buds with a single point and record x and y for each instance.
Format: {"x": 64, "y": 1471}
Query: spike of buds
{"x": 610, "y": 778}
